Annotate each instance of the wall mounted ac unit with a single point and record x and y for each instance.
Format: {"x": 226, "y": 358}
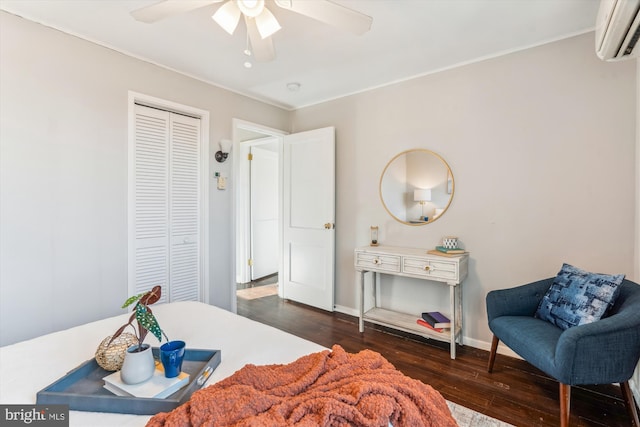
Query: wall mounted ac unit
{"x": 618, "y": 29}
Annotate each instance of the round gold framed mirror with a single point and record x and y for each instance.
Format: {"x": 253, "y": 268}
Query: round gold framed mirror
{"x": 416, "y": 187}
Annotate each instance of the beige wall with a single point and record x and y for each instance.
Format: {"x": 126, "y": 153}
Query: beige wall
{"x": 63, "y": 175}
{"x": 542, "y": 148}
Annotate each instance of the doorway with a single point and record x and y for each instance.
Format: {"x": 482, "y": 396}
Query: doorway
{"x": 258, "y": 206}
{"x": 306, "y": 227}
{"x": 264, "y": 219}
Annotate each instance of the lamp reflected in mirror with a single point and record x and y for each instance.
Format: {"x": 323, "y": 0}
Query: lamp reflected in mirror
{"x": 422, "y": 196}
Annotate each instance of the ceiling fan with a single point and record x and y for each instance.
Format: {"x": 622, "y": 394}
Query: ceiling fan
{"x": 260, "y": 21}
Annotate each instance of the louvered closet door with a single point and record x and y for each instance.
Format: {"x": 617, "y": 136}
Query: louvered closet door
{"x": 151, "y": 200}
{"x": 166, "y": 204}
{"x": 184, "y": 266}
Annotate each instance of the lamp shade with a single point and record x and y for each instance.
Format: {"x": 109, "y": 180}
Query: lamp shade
{"x": 422, "y": 195}
{"x": 225, "y": 145}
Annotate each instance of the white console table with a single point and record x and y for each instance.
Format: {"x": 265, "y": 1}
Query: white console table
{"x": 418, "y": 264}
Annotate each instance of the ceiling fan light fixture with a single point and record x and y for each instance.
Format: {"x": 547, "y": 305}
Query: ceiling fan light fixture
{"x": 227, "y": 16}
{"x": 267, "y": 23}
{"x": 251, "y": 8}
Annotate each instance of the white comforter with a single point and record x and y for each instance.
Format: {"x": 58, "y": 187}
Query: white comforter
{"x": 29, "y": 366}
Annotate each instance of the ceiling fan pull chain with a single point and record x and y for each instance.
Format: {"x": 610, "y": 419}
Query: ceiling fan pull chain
{"x": 247, "y": 51}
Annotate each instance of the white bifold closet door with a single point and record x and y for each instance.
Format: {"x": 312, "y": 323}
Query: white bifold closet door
{"x": 165, "y": 216}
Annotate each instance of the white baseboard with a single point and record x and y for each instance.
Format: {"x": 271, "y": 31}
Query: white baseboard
{"x": 346, "y": 310}
{"x": 482, "y": 345}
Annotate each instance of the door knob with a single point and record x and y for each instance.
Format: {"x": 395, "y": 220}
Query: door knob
{"x": 328, "y": 226}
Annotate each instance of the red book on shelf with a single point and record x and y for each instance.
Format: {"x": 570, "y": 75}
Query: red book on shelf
{"x": 426, "y": 325}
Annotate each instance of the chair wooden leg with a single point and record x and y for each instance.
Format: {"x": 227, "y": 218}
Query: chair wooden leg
{"x": 565, "y": 404}
{"x": 630, "y": 402}
{"x": 492, "y": 355}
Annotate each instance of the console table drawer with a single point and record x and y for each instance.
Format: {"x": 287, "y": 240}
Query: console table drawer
{"x": 378, "y": 262}
{"x": 429, "y": 268}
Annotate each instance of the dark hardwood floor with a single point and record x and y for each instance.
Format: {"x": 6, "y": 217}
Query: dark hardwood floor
{"x": 515, "y": 392}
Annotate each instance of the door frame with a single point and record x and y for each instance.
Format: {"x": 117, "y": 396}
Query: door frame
{"x": 241, "y": 218}
{"x": 163, "y": 104}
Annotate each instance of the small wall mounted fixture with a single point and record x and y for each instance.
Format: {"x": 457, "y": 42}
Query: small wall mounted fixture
{"x": 225, "y": 148}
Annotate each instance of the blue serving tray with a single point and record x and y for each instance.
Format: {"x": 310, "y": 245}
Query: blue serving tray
{"x": 82, "y": 388}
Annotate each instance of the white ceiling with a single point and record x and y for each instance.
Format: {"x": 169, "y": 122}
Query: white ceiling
{"x": 408, "y": 38}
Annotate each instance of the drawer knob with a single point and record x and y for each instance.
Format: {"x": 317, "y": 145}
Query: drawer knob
{"x": 427, "y": 268}
{"x": 376, "y": 261}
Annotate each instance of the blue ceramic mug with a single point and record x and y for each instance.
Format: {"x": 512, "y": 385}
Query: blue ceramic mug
{"x": 171, "y": 356}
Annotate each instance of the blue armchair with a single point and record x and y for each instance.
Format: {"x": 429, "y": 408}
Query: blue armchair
{"x": 602, "y": 352}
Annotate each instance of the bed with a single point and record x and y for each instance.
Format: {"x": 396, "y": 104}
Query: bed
{"x": 30, "y": 366}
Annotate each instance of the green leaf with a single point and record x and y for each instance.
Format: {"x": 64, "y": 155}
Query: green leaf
{"x": 132, "y": 299}
{"x": 148, "y": 321}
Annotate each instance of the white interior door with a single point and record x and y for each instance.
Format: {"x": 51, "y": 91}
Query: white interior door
{"x": 264, "y": 211}
{"x": 309, "y": 218}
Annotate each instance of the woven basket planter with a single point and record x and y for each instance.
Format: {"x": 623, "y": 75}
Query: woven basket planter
{"x": 112, "y": 357}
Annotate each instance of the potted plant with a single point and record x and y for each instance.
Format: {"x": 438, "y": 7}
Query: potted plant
{"x": 143, "y": 316}
{"x": 139, "y": 365}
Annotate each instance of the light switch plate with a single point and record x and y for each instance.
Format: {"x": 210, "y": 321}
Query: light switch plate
{"x": 222, "y": 183}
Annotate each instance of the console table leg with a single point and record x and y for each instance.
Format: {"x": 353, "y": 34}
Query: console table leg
{"x": 452, "y": 307}
{"x": 459, "y": 320}
{"x": 361, "y": 322}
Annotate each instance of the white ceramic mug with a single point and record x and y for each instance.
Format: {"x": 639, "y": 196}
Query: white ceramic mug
{"x": 450, "y": 242}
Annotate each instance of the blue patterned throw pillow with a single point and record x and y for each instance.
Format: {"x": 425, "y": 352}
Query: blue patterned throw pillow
{"x": 577, "y": 297}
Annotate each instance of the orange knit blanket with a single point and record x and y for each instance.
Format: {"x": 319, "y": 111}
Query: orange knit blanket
{"x": 329, "y": 388}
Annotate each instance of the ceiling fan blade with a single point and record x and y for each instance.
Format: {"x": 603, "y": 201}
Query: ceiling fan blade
{"x": 262, "y": 49}
{"x": 228, "y": 16}
{"x": 167, "y": 8}
{"x": 266, "y": 23}
{"x": 330, "y": 13}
